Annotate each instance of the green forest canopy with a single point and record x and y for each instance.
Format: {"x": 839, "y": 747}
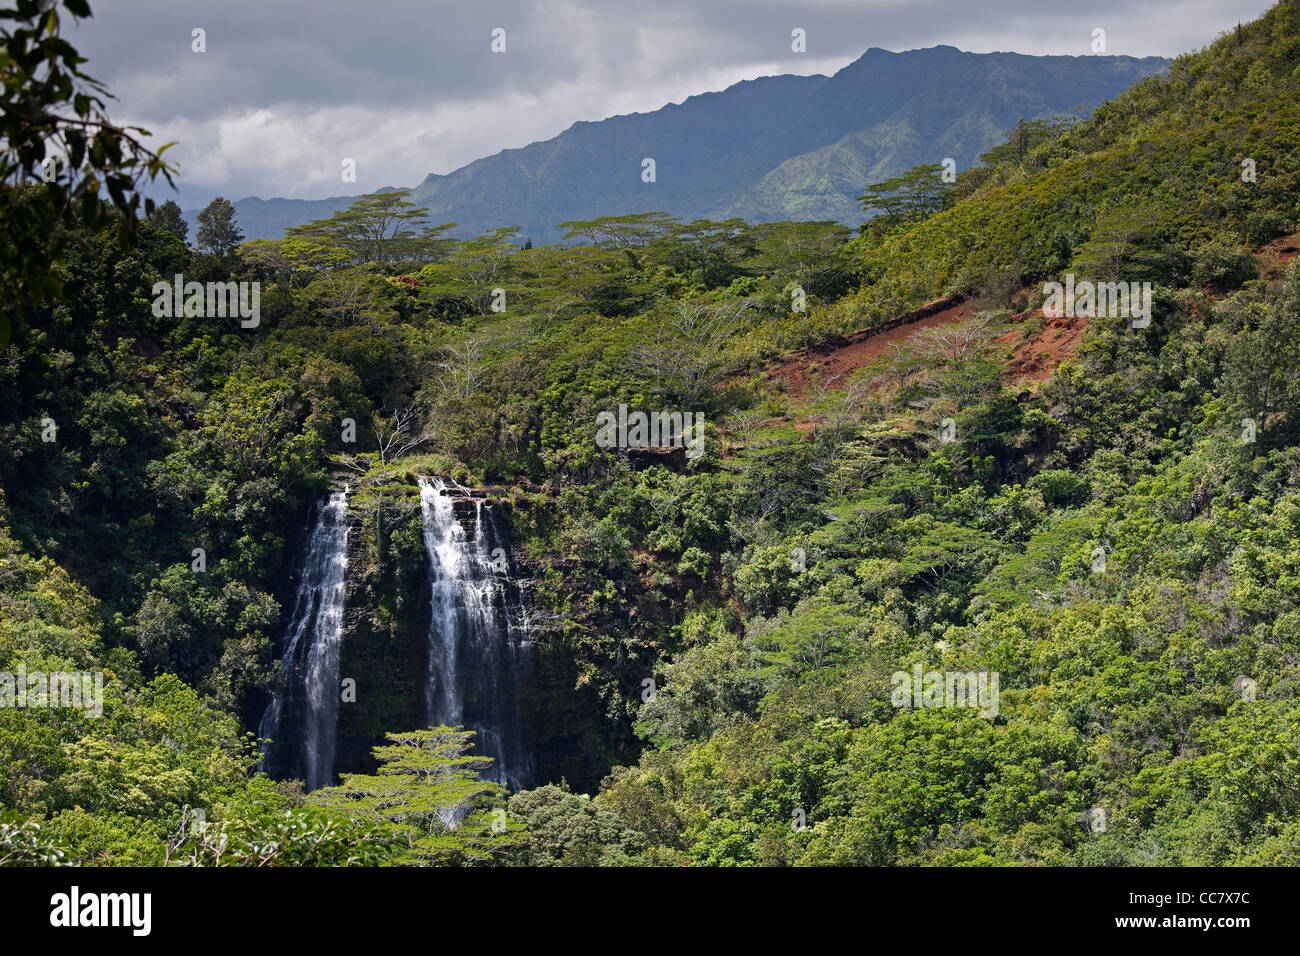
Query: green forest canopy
{"x": 770, "y": 587}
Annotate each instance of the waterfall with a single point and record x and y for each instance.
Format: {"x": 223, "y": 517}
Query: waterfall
{"x": 302, "y": 722}
{"x": 478, "y": 633}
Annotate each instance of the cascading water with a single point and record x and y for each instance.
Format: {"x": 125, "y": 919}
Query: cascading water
{"x": 478, "y": 633}
{"x": 302, "y": 722}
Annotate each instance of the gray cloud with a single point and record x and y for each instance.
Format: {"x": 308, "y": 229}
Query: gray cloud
{"x": 290, "y": 88}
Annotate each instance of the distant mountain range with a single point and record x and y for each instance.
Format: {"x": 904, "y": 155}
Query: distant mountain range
{"x": 779, "y": 147}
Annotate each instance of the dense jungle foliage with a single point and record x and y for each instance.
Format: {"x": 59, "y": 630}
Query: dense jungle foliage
{"x": 733, "y": 619}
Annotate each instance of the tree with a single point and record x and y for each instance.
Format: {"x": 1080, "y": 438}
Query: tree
{"x": 566, "y": 829}
{"x": 709, "y": 252}
{"x": 428, "y": 795}
{"x": 810, "y": 254}
{"x": 707, "y": 688}
{"x": 687, "y": 360}
{"x": 23, "y": 844}
{"x": 1261, "y": 373}
{"x": 294, "y": 256}
{"x": 558, "y": 279}
{"x": 53, "y": 129}
{"x": 399, "y": 433}
{"x": 1024, "y": 138}
{"x": 349, "y": 295}
{"x": 917, "y": 194}
{"x": 291, "y": 838}
{"x": 168, "y": 216}
{"x": 475, "y": 267}
{"x": 818, "y": 632}
{"x": 950, "y": 366}
{"x": 462, "y": 368}
{"x": 381, "y": 228}
{"x": 218, "y": 232}
{"x": 624, "y": 232}
{"x": 1119, "y": 247}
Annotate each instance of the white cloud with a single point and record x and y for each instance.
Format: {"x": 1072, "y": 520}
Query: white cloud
{"x": 297, "y": 153}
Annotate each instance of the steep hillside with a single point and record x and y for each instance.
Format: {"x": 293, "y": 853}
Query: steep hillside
{"x": 887, "y": 112}
{"x": 1139, "y": 190}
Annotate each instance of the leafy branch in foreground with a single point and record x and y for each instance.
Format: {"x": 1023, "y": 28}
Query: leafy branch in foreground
{"x": 292, "y": 838}
{"x": 53, "y": 129}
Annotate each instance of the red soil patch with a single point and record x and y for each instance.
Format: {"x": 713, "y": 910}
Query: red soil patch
{"x": 1286, "y": 248}
{"x": 840, "y": 357}
{"x": 1031, "y": 360}
{"x": 1034, "y": 359}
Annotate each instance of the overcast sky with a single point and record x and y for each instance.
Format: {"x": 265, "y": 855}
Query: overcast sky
{"x": 287, "y": 89}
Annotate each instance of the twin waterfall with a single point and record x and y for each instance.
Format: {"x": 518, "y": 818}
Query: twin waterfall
{"x": 477, "y": 639}
{"x": 302, "y": 721}
{"x": 476, "y": 634}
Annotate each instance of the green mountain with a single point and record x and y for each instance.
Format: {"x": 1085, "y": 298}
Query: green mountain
{"x": 780, "y": 147}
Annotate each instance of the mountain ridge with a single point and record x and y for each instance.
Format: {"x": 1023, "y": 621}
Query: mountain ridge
{"x": 785, "y": 146}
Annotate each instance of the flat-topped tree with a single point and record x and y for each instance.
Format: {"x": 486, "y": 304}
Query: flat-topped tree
{"x": 382, "y": 227}
{"x": 1027, "y": 136}
{"x": 917, "y": 194}
{"x": 475, "y": 267}
{"x": 429, "y": 797}
{"x": 716, "y": 249}
{"x": 294, "y": 256}
{"x": 625, "y": 232}
{"x": 810, "y": 254}
{"x": 556, "y": 279}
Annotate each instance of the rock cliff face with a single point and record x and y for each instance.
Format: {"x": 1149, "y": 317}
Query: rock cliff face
{"x": 434, "y": 627}
{"x": 385, "y": 630}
